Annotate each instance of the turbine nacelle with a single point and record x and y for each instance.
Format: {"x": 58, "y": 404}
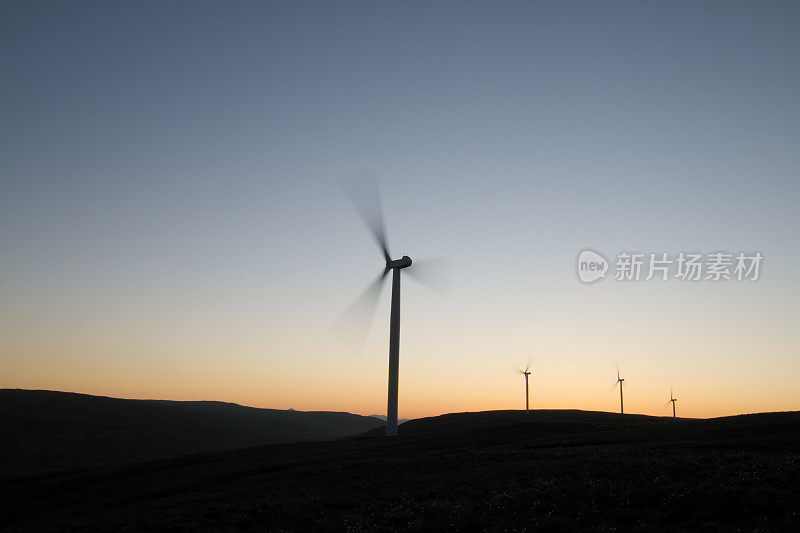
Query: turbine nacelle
{"x": 404, "y": 262}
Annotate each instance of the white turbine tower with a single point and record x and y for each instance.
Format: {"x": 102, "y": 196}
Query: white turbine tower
{"x": 672, "y": 400}
{"x": 526, "y": 373}
{"x": 619, "y": 382}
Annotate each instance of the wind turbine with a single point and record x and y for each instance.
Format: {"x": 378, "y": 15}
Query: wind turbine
{"x": 672, "y": 400}
{"x": 366, "y": 199}
{"x": 527, "y": 373}
{"x": 619, "y": 382}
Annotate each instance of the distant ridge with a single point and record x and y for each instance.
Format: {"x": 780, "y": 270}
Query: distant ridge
{"x": 571, "y": 420}
{"x": 383, "y": 417}
{"x": 43, "y": 431}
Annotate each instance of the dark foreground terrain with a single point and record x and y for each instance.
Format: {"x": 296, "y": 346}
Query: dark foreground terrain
{"x": 549, "y": 471}
{"x": 45, "y": 431}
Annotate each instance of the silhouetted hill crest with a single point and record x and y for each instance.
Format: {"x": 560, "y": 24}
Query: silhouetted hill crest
{"x": 51, "y": 430}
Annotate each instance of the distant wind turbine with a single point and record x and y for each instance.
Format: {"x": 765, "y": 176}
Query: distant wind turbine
{"x": 619, "y": 382}
{"x": 672, "y": 400}
{"x": 527, "y": 373}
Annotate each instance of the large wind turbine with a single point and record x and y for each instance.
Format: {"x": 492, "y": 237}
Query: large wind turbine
{"x": 619, "y": 382}
{"x": 366, "y": 199}
{"x": 527, "y": 373}
{"x": 672, "y": 400}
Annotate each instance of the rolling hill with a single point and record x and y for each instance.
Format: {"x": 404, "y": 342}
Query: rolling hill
{"x": 44, "y": 431}
{"x": 501, "y": 470}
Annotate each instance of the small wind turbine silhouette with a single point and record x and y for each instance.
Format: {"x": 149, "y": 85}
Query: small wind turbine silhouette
{"x": 527, "y": 373}
{"x": 366, "y": 199}
{"x": 672, "y": 400}
{"x": 619, "y": 382}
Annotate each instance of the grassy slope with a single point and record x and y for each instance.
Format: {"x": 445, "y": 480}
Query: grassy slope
{"x": 43, "y": 431}
{"x": 558, "y": 470}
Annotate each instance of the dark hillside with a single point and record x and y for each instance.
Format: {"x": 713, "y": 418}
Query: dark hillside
{"x": 42, "y": 431}
{"x": 550, "y": 470}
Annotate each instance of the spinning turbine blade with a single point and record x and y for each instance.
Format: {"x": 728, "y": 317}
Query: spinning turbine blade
{"x": 354, "y": 324}
{"x": 363, "y": 193}
{"x": 434, "y": 273}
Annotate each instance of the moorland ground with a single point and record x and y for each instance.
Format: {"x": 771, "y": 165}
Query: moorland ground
{"x": 495, "y": 471}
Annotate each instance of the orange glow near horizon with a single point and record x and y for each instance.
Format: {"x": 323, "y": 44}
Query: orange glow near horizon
{"x": 467, "y": 362}
{"x": 426, "y": 388}
{"x": 428, "y": 403}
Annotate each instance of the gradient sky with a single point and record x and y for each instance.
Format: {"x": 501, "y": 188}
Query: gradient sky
{"x": 172, "y": 223}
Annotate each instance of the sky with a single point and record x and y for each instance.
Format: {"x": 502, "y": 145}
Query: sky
{"x": 173, "y": 226}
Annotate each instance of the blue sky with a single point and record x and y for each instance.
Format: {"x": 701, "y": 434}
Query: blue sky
{"x": 170, "y": 203}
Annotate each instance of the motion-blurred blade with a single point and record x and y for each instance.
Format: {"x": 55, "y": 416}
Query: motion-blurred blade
{"x": 363, "y": 193}
{"x": 354, "y": 324}
{"x": 433, "y": 273}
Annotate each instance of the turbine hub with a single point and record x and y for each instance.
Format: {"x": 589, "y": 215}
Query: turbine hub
{"x": 405, "y": 262}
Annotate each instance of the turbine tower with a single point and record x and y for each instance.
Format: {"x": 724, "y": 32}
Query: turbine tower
{"x": 672, "y": 400}
{"x": 366, "y": 199}
{"x": 619, "y": 382}
{"x": 527, "y": 373}
{"x": 394, "y": 340}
